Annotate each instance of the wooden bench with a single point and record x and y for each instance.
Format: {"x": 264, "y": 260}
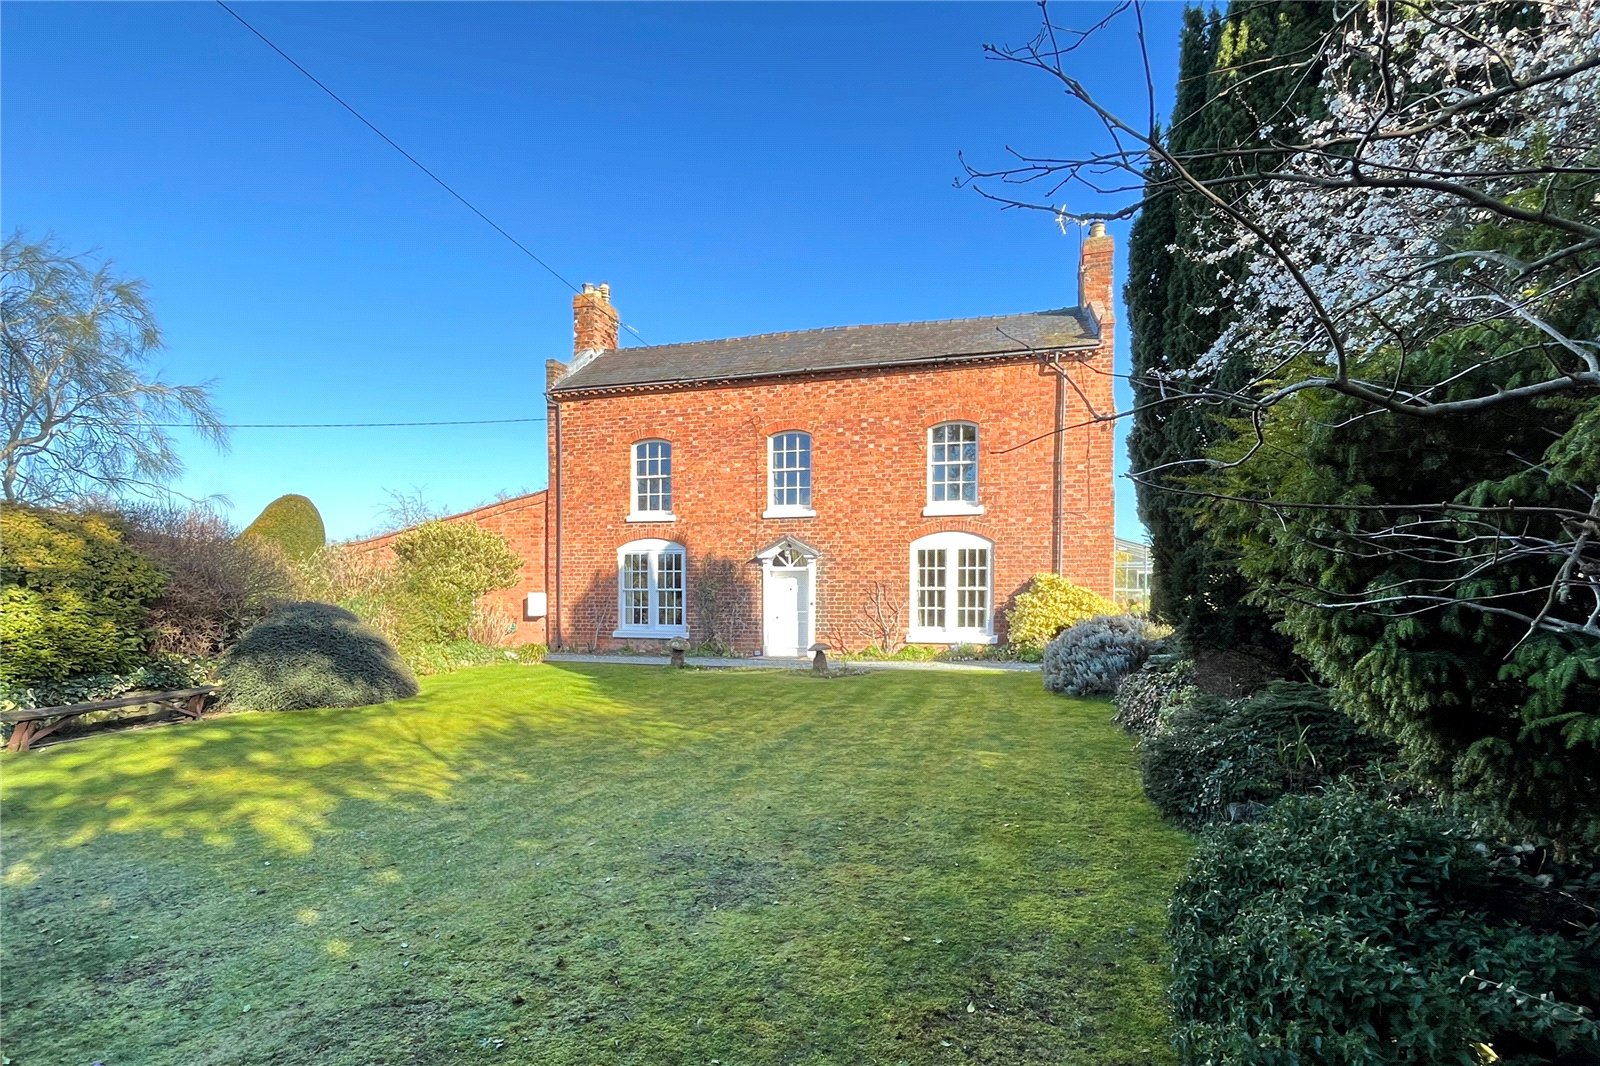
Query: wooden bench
{"x": 33, "y": 724}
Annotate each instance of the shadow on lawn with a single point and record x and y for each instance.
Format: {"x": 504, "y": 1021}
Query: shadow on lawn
{"x": 279, "y": 777}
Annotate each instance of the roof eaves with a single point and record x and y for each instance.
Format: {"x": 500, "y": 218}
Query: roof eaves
{"x": 960, "y": 357}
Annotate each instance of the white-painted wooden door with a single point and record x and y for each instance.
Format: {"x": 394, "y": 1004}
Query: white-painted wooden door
{"x": 788, "y": 602}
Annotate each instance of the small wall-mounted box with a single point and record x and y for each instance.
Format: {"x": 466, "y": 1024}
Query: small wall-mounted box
{"x": 536, "y": 607}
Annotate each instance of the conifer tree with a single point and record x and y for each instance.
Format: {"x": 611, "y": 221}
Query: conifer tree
{"x": 1232, "y": 91}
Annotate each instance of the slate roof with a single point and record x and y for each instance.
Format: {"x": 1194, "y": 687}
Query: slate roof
{"x": 836, "y": 348}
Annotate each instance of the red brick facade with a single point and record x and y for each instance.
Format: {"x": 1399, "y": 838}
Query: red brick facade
{"x": 869, "y": 463}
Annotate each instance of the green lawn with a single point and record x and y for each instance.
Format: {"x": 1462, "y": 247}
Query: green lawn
{"x": 595, "y": 864}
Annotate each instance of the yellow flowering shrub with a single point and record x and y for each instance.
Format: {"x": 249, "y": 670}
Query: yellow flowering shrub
{"x": 1050, "y": 604}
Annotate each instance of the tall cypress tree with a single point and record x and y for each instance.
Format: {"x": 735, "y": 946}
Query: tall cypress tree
{"x": 1240, "y": 76}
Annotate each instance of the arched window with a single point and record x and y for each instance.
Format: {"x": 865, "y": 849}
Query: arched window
{"x": 952, "y": 583}
{"x": 953, "y": 469}
{"x": 652, "y": 481}
{"x": 651, "y": 588}
{"x": 789, "y": 475}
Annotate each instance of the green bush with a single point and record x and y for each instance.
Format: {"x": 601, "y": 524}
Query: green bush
{"x": 313, "y": 655}
{"x": 292, "y": 523}
{"x": 1092, "y": 656}
{"x": 1048, "y": 605}
{"x": 1213, "y": 759}
{"x": 441, "y": 568}
{"x": 74, "y": 599}
{"x": 1343, "y": 931}
{"x": 1144, "y": 694}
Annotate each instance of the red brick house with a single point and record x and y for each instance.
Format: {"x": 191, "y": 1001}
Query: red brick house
{"x": 828, "y": 485}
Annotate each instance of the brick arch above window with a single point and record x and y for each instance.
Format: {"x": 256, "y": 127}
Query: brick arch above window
{"x": 978, "y": 526}
{"x": 773, "y": 427}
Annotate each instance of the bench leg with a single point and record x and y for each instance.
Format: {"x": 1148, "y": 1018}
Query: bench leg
{"x": 21, "y": 736}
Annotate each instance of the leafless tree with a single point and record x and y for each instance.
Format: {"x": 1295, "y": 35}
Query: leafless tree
{"x": 880, "y": 616}
{"x": 79, "y": 414}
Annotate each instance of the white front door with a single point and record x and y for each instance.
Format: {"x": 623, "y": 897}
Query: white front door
{"x": 788, "y": 613}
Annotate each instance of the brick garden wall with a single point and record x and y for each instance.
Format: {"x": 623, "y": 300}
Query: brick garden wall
{"x": 521, "y": 521}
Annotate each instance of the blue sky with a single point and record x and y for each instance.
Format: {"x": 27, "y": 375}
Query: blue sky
{"x": 729, "y": 169}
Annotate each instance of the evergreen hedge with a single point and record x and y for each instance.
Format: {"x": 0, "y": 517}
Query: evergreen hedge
{"x": 74, "y": 599}
{"x": 1213, "y": 759}
{"x": 1343, "y": 931}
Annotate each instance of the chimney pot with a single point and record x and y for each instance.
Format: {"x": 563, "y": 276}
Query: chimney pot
{"x": 1097, "y": 229}
{"x": 594, "y": 321}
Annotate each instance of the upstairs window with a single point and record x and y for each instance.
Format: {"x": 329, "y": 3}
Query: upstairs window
{"x": 652, "y": 481}
{"x": 953, "y": 469}
{"x": 952, "y": 580}
{"x": 789, "y": 475}
{"x": 650, "y": 590}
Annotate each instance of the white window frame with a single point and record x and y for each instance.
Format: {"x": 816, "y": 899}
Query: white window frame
{"x": 788, "y": 510}
{"x": 654, "y": 549}
{"x": 951, "y": 543}
{"x": 634, "y": 479}
{"x": 941, "y": 508}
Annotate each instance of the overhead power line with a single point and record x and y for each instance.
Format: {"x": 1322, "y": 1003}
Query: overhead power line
{"x": 356, "y": 425}
{"x": 413, "y": 160}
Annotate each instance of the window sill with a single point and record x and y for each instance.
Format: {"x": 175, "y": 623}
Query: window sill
{"x": 651, "y": 632}
{"x": 788, "y": 512}
{"x": 949, "y": 509}
{"x": 651, "y": 516}
{"x": 949, "y": 636}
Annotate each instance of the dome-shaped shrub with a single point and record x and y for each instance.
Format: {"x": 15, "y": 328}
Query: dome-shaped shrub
{"x": 1048, "y": 605}
{"x": 1093, "y": 655}
{"x": 292, "y": 523}
{"x": 313, "y": 655}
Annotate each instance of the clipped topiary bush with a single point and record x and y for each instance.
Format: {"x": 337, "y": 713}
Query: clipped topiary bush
{"x": 1144, "y": 694}
{"x": 74, "y": 599}
{"x": 1048, "y": 605}
{"x": 1342, "y": 930}
{"x": 293, "y": 524}
{"x": 1091, "y": 656}
{"x": 1213, "y": 759}
{"x": 313, "y": 655}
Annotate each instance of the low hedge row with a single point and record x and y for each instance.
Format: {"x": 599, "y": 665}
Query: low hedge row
{"x": 1346, "y": 931}
{"x": 1211, "y": 759}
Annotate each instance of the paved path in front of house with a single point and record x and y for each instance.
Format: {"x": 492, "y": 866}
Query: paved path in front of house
{"x": 762, "y": 662}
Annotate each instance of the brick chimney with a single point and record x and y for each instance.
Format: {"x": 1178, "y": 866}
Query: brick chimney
{"x": 1094, "y": 275}
{"x": 594, "y": 322}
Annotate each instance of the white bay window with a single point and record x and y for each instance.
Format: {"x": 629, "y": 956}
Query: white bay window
{"x": 651, "y": 586}
{"x": 952, "y": 590}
